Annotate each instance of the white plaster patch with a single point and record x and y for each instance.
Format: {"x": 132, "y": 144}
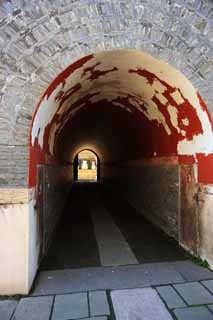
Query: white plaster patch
{"x": 161, "y": 98}
{"x": 177, "y": 97}
{"x": 159, "y": 87}
{"x": 173, "y": 112}
{"x": 14, "y": 248}
{"x": 44, "y": 116}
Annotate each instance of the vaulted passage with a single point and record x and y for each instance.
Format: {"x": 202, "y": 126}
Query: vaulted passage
{"x": 152, "y": 135}
{"x": 149, "y": 180}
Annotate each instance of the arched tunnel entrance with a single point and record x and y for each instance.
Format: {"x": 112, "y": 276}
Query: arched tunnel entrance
{"x": 86, "y": 166}
{"x": 153, "y": 135}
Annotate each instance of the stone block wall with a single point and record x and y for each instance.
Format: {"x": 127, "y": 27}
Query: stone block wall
{"x": 13, "y": 166}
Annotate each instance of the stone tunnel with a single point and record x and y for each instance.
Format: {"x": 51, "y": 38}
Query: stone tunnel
{"x": 152, "y": 133}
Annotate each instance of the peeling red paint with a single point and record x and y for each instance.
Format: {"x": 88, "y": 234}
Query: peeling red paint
{"x": 61, "y": 78}
{"x": 156, "y": 138}
{"x": 186, "y": 159}
{"x": 95, "y": 74}
{"x": 64, "y": 95}
{"x": 184, "y": 110}
{"x": 205, "y": 168}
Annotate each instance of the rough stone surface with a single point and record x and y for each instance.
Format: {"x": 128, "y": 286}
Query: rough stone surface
{"x": 210, "y": 306}
{"x": 6, "y": 309}
{"x": 70, "y": 306}
{"x": 194, "y": 293}
{"x": 196, "y": 313}
{"x": 192, "y": 272}
{"x": 96, "y": 318}
{"x": 89, "y": 279}
{"x": 13, "y": 164}
{"x": 37, "y": 308}
{"x": 208, "y": 284}
{"x": 139, "y": 304}
{"x": 171, "y": 297}
{"x": 188, "y": 233}
{"x": 98, "y": 303}
{"x": 15, "y": 195}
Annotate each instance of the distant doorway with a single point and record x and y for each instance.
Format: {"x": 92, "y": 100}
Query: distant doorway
{"x": 86, "y": 166}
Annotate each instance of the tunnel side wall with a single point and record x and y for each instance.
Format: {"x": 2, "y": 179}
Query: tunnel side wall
{"x": 57, "y": 184}
{"x": 23, "y": 221}
{"x": 196, "y": 219}
{"x": 152, "y": 190}
{"x": 44, "y": 212}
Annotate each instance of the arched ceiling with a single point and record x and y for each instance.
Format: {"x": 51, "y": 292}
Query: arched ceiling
{"x": 39, "y": 38}
{"x": 166, "y": 103}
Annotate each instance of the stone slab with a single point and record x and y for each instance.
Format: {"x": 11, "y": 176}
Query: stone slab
{"x": 170, "y": 296}
{"x": 191, "y": 271}
{"x": 195, "y": 313}
{"x": 139, "y": 304}
{"x": 208, "y": 284}
{"x": 98, "y": 303}
{"x": 7, "y": 308}
{"x": 37, "y": 308}
{"x": 70, "y": 306}
{"x": 102, "y": 278}
{"x": 96, "y": 318}
{"x": 113, "y": 247}
{"x": 210, "y": 306}
{"x": 194, "y": 293}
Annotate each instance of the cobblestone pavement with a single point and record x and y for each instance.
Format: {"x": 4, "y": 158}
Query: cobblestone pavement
{"x": 186, "y": 300}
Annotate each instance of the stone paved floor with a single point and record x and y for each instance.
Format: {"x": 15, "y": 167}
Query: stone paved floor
{"x": 98, "y": 228}
{"x": 120, "y": 271}
{"x": 182, "y": 301}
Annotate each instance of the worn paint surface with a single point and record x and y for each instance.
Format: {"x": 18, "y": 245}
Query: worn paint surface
{"x": 206, "y": 223}
{"x": 189, "y": 211}
{"x": 168, "y": 106}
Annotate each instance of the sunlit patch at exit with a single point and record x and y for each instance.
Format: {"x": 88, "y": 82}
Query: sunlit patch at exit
{"x": 87, "y": 166}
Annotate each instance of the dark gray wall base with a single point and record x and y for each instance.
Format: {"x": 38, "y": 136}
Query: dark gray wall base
{"x": 57, "y": 185}
{"x": 152, "y": 190}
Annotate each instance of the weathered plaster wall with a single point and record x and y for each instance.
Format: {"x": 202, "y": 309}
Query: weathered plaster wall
{"x": 189, "y": 213}
{"x": 22, "y": 227}
{"x": 152, "y": 188}
{"x": 14, "y": 249}
{"x": 206, "y": 223}
{"x": 196, "y": 218}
